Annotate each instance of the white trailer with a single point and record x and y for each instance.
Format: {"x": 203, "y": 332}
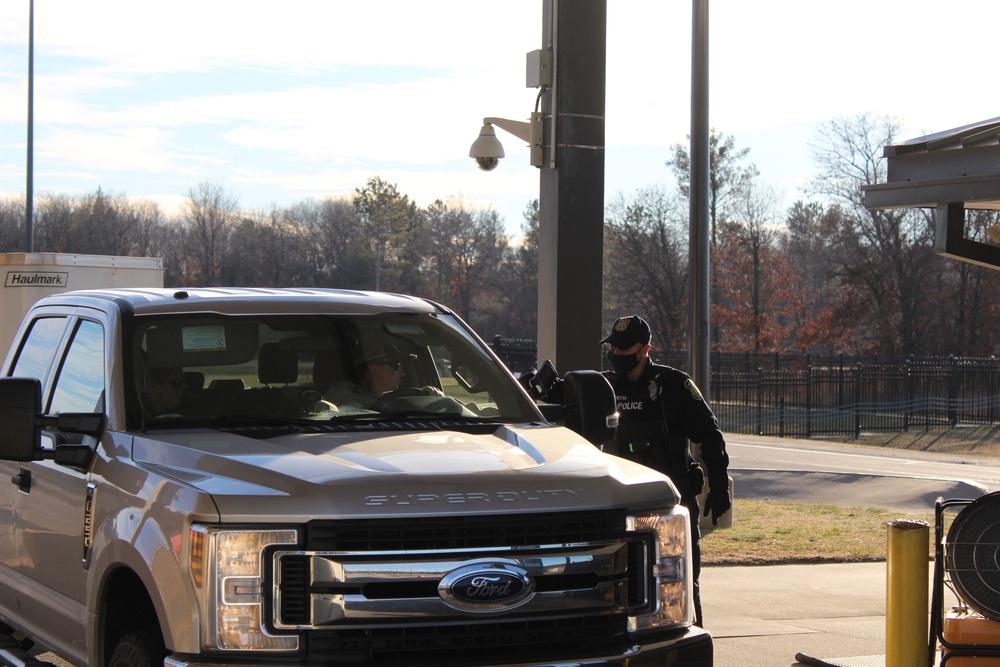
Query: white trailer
{"x": 28, "y": 277}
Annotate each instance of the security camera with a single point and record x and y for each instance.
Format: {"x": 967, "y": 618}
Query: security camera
{"x": 487, "y": 163}
{"x": 487, "y": 149}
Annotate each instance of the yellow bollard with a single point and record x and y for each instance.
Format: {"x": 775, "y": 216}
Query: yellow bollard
{"x": 906, "y": 605}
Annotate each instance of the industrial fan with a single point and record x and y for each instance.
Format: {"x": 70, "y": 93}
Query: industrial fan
{"x": 970, "y": 557}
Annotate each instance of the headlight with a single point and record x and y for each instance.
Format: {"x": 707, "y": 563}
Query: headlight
{"x": 670, "y": 569}
{"x": 227, "y": 568}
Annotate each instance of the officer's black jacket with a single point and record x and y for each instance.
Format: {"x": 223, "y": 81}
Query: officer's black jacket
{"x": 658, "y": 414}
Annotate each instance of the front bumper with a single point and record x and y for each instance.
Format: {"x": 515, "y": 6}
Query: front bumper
{"x": 691, "y": 649}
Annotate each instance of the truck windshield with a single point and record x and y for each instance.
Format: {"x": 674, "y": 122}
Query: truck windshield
{"x": 318, "y": 368}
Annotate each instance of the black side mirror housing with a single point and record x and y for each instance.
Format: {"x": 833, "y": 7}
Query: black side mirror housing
{"x": 20, "y": 408}
{"x": 590, "y": 406}
{"x": 22, "y": 420}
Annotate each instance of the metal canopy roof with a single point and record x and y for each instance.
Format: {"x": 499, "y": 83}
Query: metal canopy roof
{"x": 949, "y": 171}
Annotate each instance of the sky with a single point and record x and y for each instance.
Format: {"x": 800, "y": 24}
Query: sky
{"x": 281, "y": 102}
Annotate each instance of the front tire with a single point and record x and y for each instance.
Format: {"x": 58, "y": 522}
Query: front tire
{"x": 143, "y": 648}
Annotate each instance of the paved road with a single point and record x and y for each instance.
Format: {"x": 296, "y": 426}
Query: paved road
{"x": 837, "y": 474}
{"x": 762, "y": 453}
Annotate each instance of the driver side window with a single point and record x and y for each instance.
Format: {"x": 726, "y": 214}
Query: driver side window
{"x": 40, "y": 344}
{"x": 80, "y": 384}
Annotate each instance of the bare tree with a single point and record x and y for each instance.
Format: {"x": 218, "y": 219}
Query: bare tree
{"x": 751, "y": 279}
{"x": 109, "y": 224}
{"x": 823, "y": 315}
{"x": 729, "y": 176}
{"x": 464, "y": 250}
{"x": 98, "y": 223}
{"x": 646, "y": 262}
{"x": 517, "y": 280}
{"x": 54, "y": 224}
{"x": 342, "y": 253}
{"x": 12, "y": 217}
{"x": 885, "y": 256}
{"x": 168, "y": 242}
{"x": 266, "y": 251}
{"x": 208, "y": 213}
{"x": 145, "y": 218}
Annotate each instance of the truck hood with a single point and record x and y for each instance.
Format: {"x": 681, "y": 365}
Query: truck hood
{"x": 305, "y": 476}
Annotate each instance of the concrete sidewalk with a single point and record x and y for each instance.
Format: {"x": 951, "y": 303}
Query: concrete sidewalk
{"x": 764, "y": 616}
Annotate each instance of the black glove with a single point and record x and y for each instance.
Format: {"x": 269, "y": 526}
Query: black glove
{"x": 525, "y": 380}
{"x": 717, "y": 502}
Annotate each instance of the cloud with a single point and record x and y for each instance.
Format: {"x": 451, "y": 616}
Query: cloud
{"x": 311, "y": 97}
{"x": 301, "y": 35}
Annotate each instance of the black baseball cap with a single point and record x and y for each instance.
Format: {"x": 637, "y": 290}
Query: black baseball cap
{"x": 627, "y": 331}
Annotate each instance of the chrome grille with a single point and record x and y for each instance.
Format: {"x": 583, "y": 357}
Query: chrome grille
{"x": 362, "y": 590}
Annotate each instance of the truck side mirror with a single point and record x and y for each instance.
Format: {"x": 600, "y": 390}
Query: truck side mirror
{"x": 20, "y": 415}
{"x": 590, "y": 406}
{"x": 20, "y": 407}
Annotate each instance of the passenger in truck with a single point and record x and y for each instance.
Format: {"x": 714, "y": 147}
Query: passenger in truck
{"x": 165, "y": 392}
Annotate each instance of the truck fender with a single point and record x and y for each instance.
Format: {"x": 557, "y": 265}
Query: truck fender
{"x": 157, "y": 556}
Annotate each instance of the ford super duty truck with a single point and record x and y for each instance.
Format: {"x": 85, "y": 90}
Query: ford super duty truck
{"x": 210, "y": 477}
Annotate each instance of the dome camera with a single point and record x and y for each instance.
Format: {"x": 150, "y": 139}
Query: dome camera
{"x": 486, "y": 149}
{"x": 487, "y": 163}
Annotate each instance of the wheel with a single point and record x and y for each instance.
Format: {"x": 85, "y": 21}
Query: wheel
{"x": 143, "y": 648}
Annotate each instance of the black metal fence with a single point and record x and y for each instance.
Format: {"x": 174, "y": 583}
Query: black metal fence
{"x": 805, "y": 395}
{"x": 518, "y": 353}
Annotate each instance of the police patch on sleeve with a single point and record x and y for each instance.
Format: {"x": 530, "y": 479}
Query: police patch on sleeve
{"x": 693, "y": 388}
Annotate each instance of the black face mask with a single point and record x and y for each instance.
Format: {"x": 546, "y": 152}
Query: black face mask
{"x": 623, "y": 363}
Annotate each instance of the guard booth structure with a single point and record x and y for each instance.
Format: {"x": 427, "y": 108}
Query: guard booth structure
{"x": 949, "y": 171}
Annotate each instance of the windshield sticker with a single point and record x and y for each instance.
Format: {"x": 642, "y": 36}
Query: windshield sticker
{"x": 205, "y": 338}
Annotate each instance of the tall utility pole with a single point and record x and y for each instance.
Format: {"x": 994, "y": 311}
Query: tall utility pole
{"x": 571, "y": 190}
{"x": 29, "y": 194}
{"x": 699, "y": 341}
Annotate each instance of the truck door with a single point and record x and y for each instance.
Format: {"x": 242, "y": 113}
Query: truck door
{"x": 50, "y": 505}
{"x": 35, "y": 358}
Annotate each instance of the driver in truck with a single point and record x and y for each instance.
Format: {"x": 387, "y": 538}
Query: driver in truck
{"x": 381, "y": 372}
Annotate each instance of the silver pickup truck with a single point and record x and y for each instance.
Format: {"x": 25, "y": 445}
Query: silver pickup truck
{"x": 247, "y": 477}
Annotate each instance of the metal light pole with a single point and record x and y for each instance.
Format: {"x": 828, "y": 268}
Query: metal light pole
{"x": 698, "y": 323}
{"x": 29, "y": 195}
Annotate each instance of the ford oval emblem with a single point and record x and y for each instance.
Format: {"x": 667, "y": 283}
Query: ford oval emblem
{"x": 487, "y": 586}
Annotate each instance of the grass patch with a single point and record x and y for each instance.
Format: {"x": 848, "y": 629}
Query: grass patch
{"x": 770, "y": 532}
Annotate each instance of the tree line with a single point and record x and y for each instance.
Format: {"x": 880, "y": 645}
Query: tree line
{"x": 826, "y": 275}
{"x": 375, "y": 239}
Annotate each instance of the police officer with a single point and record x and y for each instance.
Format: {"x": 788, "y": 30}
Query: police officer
{"x": 660, "y": 408}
